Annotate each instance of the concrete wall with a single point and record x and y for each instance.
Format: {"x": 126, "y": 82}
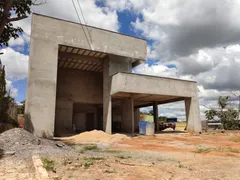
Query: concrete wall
{"x": 80, "y": 86}
{"x": 80, "y": 116}
{"x": 74, "y": 86}
{"x": 119, "y": 64}
{"x": 68, "y": 33}
{"x": 63, "y": 117}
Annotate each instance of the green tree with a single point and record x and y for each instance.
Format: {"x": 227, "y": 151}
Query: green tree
{"x": 229, "y": 119}
{"x": 2, "y": 90}
{"x": 11, "y": 11}
{"x": 210, "y": 114}
{"x": 162, "y": 118}
{"x": 223, "y": 101}
{"x": 22, "y": 109}
{"x": 227, "y": 116}
{"x": 151, "y": 112}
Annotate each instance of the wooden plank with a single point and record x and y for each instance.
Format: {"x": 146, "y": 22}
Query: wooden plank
{"x": 90, "y": 67}
{"x": 80, "y": 57}
{"x": 87, "y": 53}
{"x": 66, "y": 64}
{"x": 71, "y": 65}
{"x": 102, "y": 55}
{"x": 75, "y": 50}
{"x": 92, "y": 53}
{"x": 94, "y": 68}
{"x": 81, "y": 65}
{"x": 85, "y": 67}
{"x": 76, "y": 65}
{"x": 63, "y": 48}
{"x": 81, "y": 51}
{"x": 97, "y": 54}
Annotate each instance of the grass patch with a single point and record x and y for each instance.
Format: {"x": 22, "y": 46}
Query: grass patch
{"x": 227, "y": 149}
{"x": 48, "y": 164}
{"x": 85, "y": 148}
{"x": 87, "y": 164}
{"x": 90, "y": 147}
{"x": 108, "y": 171}
{"x": 180, "y": 165}
{"x": 219, "y": 149}
{"x": 93, "y": 158}
{"x": 236, "y": 139}
{"x": 203, "y": 150}
{"x": 112, "y": 151}
{"x": 123, "y": 157}
{"x": 89, "y": 161}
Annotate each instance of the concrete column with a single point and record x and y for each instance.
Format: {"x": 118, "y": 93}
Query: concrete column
{"x": 128, "y": 115}
{"x": 41, "y": 91}
{"x": 136, "y": 117}
{"x": 107, "y": 101}
{"x": 193, "y": 115}
{"x": 132, "y": 113}
{"x": 155, "y": 114}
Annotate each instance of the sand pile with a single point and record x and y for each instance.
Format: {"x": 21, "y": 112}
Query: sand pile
{"x": 96, "y": 136}
{"x": 168, "y": 129}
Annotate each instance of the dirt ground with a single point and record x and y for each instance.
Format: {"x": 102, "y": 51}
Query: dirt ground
{"x": 165, "y": 156}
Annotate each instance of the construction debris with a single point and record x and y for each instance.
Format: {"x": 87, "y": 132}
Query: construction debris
{"x": 25, "y": 144}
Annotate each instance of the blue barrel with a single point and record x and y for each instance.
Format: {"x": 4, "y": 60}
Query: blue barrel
{"x": 142, "y": 127}
{"x": 150, "y": 129}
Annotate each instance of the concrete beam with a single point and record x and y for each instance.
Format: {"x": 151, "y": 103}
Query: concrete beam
{"x": 161, "y": 102}
{"x": 143, "y": 84}
{"x": 136, "y": 63}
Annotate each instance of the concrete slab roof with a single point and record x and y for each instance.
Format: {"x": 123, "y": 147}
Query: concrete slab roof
{"x": 62, "y": 32}
{"x": 156, "y": 77}
{"x": 151, "y": 87}
{"x": 88, "y": 26}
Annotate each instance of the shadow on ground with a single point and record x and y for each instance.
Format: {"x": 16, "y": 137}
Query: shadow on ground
{"x": 170, "y": 132}
{"x": 1, "y": 153}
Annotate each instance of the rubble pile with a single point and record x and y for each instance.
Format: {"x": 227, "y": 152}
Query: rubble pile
{"x": 21, "y": 144}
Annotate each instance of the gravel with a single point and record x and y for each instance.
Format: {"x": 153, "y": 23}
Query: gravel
{"x": 20, "y": 144}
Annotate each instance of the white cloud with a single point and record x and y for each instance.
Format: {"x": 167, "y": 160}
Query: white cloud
{"x": 16, "y": 64}
{"x": 182, "y": 28}
{"x": 101, "y": 17}
{"x": 9, "y": 87}
{"x": 156, "y": 69}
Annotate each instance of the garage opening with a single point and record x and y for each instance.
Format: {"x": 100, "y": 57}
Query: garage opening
{"x": 79, "y": 91}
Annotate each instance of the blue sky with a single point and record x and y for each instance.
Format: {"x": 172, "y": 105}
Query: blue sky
{"x": 185, "y": 41}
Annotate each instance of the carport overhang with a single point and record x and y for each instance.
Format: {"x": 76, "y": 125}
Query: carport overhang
{"x": 144, "y": 90}
{"x": 151, "y": 88}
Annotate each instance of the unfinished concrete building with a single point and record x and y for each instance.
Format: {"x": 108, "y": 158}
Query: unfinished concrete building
{"x": 80, "y": 79}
